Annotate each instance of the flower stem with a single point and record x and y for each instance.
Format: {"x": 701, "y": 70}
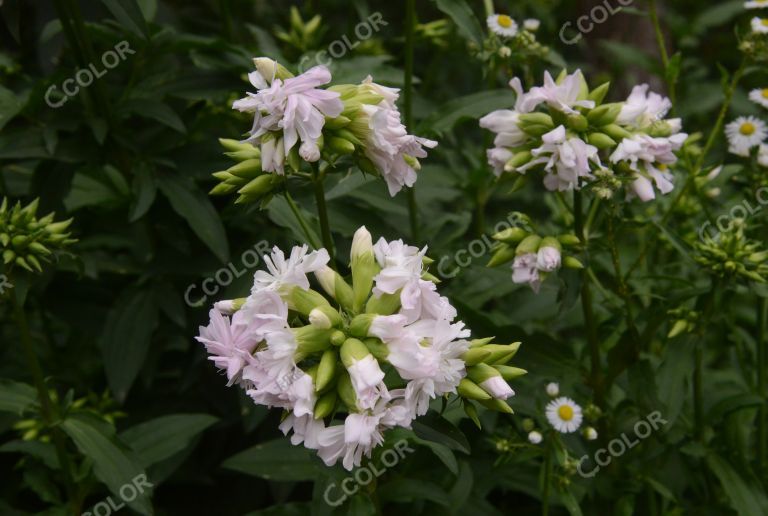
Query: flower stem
{"x": 547, "y": 477}
{"x": 622, "y": 287}
{"x": 762, "y": 432}
{"x": 48, "y": 409}
{"x": 586, "y": 305}
{"x": 322, "y": 213}
{"x": 410, "y": 28}
{"x": 662, "y": 48}
{"x": 302, "y": 222}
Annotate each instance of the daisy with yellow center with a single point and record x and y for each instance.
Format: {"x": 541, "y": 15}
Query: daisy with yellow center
{"x": 759, "y": 96}
{"x": 744, "y": 133}
{"x": 760, "y": 25}
{"x": 564, "y": 415}
{"x": 502, "y": 25}
{"x": 756, "y": 4}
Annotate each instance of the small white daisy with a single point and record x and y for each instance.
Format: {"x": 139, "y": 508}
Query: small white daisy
{"x": 744, "y": 133}
{"x": 762, "y": 156}
{"x": 532, "y": 24}
{"x": 564, "y": 415}
{"x": 756, "y": 4}
{"x": 553, "y": 389}
{"x": 502, "y": 25}
{"x": 759, "y": 96}
{"x": 590, "y": 434}
{"x": 534, "y": 437}
{"x": 760, "y": 25}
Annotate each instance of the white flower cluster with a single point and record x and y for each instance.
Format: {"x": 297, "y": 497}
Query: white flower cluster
{"x": 291, "y": 347}
{"x": 360, "y": 120}
{"x": 570, "y": 130}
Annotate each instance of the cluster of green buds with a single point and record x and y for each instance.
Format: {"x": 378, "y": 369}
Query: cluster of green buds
{"x": 755, "y": 46}
{"x": 28, "y": 241}
{"x": 300, "y": 35}
{"x": 733, "y": 255}
{"x": 246, "y": 177}
{"x": 508, "y": 39}
{"x": 437, "y": 32}
{"x": 533, "y": 257}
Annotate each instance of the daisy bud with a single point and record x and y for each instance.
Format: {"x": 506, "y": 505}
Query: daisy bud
{"x": 509, "y": 372}
{"x": 528, "y": 424}
{"x": 531, "y": 24}
{"x": 590, "y": 434}
{"x": 318, "y": 319}
{"x": 490, "y": 380}
{"x": 470, "y": 390}
{"x": 335, "y": 286}
{"x": 326, "y": 370}
{"x": 229, "y": 306}
{"x": 364, "y": 267}
{"x": 553, "y": 389}
{"x": 548, "y": 256}
{"x": 511, "y": 235}
{"x": 325, "y": 405}
{"x": 534, "y": 437}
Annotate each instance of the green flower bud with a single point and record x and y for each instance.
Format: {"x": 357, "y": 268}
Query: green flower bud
{"x": 378, "y": 349}
{"x": 569, "y": 240}
{"x": 353, "y": 350}
{"x": 325, "y": 405}
{"x": 326, "y": 370}
{"x": 599, "y": 93}
{"x": 247, "y": 169}
{"x": 569, "y": 262}
{"x": 577, "y": 122}
{"x": 481, "y": 372}
{"x": 511, "y": 235}
{"x": 336, "y": 123}
{"x": 346, "y": 391}
{"x": 503, "y": 254}
{"x": 679, "y": 327}
{"x": 497, "y": 405}
{"x": 271, "y": 69}
{"x": 616, "y": 132}
{"x": 474, "y": 356}
{"x": 509, "y": 372}
{"x": 360, "y": 325}
{"x": 518, "y": 160}
{"x": 260, "y": 185}
{"x": 471, "y": 411}
{"x": 501, "y": 354}
{"x": 385, "y": 304}
{"x": 470, "y": 390}
{"x": 335, "y": 286}
{"x": 604, "y": 115}
{"x": 338, "y": 338}
{"x": 340, "y": 145}
{"x": 529, "y": 245}
{"x": 364, "y": 268}
{"x": 601, "y": 141}
{"x": 311, "y": 340}
{"x": 474, "y": 343}
{"x": 550, "y": 242}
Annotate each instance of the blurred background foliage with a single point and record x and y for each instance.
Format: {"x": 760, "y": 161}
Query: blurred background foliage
{"x": 130, "y": 158}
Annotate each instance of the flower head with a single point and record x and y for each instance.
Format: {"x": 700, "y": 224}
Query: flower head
{"x": 744, "y": 133}
{"x": 564, "y": 415}
{"x": 502, "y": 25}
{"x": 759, "y": 96}
{"x": 760, "y": 25}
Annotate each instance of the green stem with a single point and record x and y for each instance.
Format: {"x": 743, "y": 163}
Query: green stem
{"x": 586, "y": 305}
{"x": 322, "y": 214}
{"x": 547, "y": 477}
{"x": 698, "y": 398}
{"x": 410, "y": 28}
{"x": 662, "y": 48}
{"x": 623, "y": 289}
{"x": 48, "y": 409}
{"x": 762, "y": 433}
{"x": 302, "y": 221}
{"x": 488, "y": 7}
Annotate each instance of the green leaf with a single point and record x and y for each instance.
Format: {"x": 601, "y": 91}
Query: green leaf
{"x": 93, "y": 188}
{"x": 129, "y": 15}
{"x": 126, "y": 337}
{"x": 732, "y": 404}
{"x": 193, "y": 205}
{"x": 111, "y": 464}
{"x": 433, "y": 427}
{"x": 411, "y": 489}
{"x": 38, "y": 449}
{"x": 475, "y": 105}
{"x": 443, "y": 453}
{"x": 745, "y": 498}
{"x": 144, "y": 189}
{"x": 154, "y": 110}
{"x": 275, "y": 460}
{"x": 162, "y": 438}
{"x": 464, "y": 18}
{"x": 10, "y": 105}
{"x": 16, "y": 397}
